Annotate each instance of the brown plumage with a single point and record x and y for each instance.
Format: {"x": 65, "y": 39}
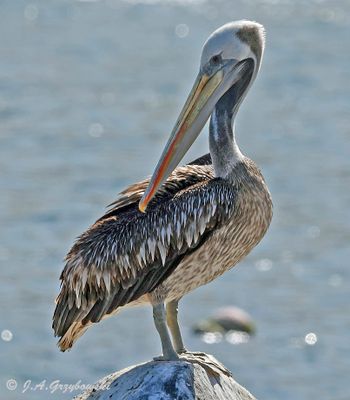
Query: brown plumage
{"x": 199, "y": 223}
{"x": 184, "y": 241}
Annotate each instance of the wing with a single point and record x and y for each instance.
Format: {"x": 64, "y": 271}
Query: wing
{"x": 181, "y": 178}
{"x": 127, "y": 254}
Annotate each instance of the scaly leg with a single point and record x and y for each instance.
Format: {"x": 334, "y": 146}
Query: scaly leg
{"x": 169, "y": 354}
{"x": 171, "y": 319}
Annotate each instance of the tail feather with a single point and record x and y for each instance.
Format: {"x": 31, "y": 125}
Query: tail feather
{"x": 71, "y": 322}
{"x": 74, "y": 332}
{"x": 67, "y": 319}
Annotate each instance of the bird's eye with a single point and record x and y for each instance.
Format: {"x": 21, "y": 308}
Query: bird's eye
{"x": 216, "y": 59}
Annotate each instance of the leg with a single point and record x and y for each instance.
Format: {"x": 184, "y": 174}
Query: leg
{"x": 171, "y": 318}
{"x": 159, "y": 320}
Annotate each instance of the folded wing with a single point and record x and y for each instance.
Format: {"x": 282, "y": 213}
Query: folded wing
{"x": 127, "y": 254}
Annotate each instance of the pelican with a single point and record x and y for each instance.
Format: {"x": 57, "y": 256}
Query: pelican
{"x": 165, "y": 236}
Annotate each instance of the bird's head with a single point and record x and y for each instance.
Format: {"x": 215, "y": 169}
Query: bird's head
{"x": 231, "y": 58}
{"x": 232, "y": 44}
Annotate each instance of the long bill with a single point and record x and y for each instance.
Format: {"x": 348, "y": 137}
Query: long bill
{"x": 189, "y": 124}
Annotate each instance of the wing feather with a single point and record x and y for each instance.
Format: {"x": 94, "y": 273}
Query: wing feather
{"x": 127, "y": 254}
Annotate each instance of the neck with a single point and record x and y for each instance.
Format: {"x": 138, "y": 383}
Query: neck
{"x": 224, "y": 150}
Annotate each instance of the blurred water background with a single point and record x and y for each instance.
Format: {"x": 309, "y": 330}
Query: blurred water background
{"x": 89, "y": 91}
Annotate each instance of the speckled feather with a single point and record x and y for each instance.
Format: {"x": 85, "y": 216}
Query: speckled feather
{"x": 194, "y": 229}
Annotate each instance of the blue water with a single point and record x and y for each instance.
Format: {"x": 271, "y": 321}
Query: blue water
{"x": 89, "y": 91}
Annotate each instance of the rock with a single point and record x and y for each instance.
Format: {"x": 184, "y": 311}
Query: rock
{"x": 227, "y": 319}
{"x": 195, "y": 376}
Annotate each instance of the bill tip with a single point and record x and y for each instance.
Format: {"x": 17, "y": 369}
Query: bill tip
{"x": 142, "y": 206}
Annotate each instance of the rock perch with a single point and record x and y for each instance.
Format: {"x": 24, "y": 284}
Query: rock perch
{"x": 197, "y": 376}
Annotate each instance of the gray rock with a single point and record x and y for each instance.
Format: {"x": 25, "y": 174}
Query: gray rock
{"x": 196, "y": 376}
